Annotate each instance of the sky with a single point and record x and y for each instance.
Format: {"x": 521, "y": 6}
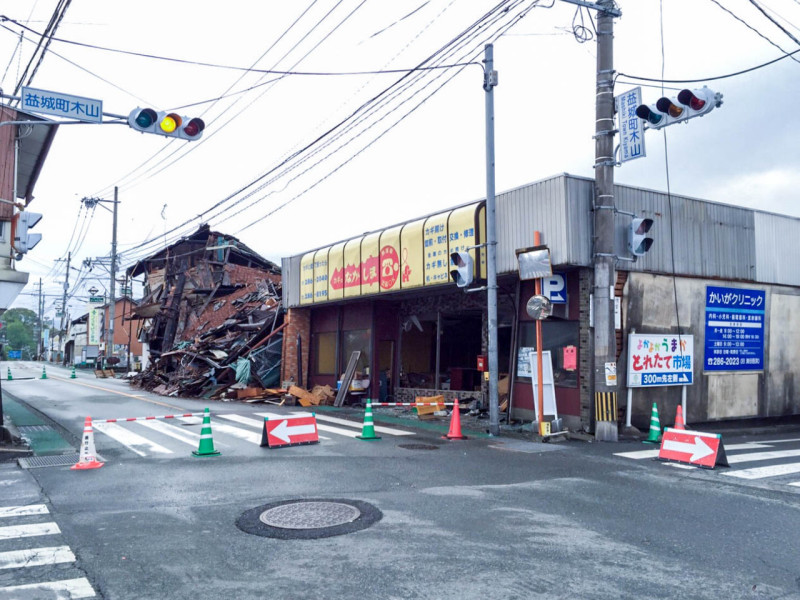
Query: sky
{"x": 343, "y": 136}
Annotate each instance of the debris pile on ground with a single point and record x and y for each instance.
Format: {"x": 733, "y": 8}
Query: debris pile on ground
{"x": 226, "y": 346}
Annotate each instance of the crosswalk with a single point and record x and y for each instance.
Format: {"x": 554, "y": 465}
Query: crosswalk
{"x": 31, "y": 551}
{"x": 162, "y": 438}
{"x": 781, "y": 455}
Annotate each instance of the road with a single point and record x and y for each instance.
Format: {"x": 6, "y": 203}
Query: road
{"x": 480, "y": 518}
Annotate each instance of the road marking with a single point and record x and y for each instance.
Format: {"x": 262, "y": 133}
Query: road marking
{"x": 187, "y": 437}
{"x": 378, "y": 428}
{"x": 781, "y": 441}
{"x": 795, "y": 484}
{"x": 754, "y": 456}
{"x": 247, "y": 436}
{"x": 110, "y": 391}
{"x": 23, "y": 531}
{"x": 328, "y": 428}
{"x": 129, "y": 439}
{"x": 638, "y": 454}
{"x": 36, "y": 557}
{"x": 23, "y": 511}
{"x": 763, "y": 472}
{"x": 74, "y": 588}
{"x": 747, "y": 446}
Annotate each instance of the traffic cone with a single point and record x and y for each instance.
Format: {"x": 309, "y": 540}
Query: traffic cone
{"x": 72, "y": 375}
{"x": 455, "y": 425}
{"x": 88, "y": 456}
{"x": 9, "y": 374}
{"x": 206, "y": 447}
{"x": 44, "y": 372}
{"x": 655, "y": 427}
{"x": 368, "y": 431}
{"x": 679, "y": 424}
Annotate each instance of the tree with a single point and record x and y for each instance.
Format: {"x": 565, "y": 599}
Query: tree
{"x": 21, "y": 326}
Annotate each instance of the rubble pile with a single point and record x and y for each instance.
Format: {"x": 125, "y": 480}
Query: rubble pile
{"x": 224, "y": 343}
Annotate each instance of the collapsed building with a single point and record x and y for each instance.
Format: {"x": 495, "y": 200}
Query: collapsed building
{"x": 210, "y": 317}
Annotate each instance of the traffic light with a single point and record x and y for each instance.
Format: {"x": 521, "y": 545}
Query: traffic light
{"x": 638, "y": 242}
{"x": 147, "y": 120}
{"x": 463, "y": 272}
{"x": 687, "y": 105}
{"x": 22, "y": 241}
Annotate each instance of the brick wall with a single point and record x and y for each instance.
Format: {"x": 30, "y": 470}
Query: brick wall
{"x": 586, "y": 353}
{"x": 299, "y": 322}
{"x": 411, "y": 394}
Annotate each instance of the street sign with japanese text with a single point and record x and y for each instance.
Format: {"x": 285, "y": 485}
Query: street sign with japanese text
{"x": 62, "y": 105}
{"x": 656, "y": 359}
{"x": 631, "y": 127}
{"x": 734, "y": 333}
{"x": 97, "y": 299}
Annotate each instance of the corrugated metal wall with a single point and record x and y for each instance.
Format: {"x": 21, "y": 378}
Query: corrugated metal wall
{"x": 290, "y": 278}
{"x": 777, "y": 240}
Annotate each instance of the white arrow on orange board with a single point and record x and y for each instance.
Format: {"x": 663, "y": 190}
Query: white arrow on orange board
{"x": 698, "y": 449}
{"x": 284, "y": 433}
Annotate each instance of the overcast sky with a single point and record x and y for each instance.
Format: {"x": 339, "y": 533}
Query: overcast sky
{"x": 290, "y": 162}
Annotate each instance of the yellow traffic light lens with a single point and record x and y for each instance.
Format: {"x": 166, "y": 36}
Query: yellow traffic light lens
{"x": 168, "y": 124}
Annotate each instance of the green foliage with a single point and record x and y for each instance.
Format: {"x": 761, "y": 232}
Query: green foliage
{"x": 20, "y": 326}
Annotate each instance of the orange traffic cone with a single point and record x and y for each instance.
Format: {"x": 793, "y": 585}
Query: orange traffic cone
{"x": 88, "y": 457}
{"x": 455, "y": 425}
{"x": 679, "y": 424}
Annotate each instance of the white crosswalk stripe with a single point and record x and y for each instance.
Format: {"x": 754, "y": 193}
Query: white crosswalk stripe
{"x": 18, "y": 561}
{"x": 159, "y": 437}
{"x": 748, "y": 452}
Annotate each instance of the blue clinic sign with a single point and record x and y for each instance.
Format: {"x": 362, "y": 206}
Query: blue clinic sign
{"x": 734, "y": 329}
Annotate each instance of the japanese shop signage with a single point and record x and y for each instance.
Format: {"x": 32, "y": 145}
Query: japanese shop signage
{"x": 734, "y": 339}
{"x": 402, "y": 257}
{"x": 631, "y": 127}
{"x": 61, "y": 105}
{"x": 656, "y": 359}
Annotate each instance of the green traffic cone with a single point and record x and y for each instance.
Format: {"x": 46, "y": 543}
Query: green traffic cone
{"x": 44, "y": 372}
{"x": 72, "y": 375}
{"x": 368, "y": 431}
{"x": 9, "y": 374}
{"x": 655, "y": 427}
{"x": 206, "y": 447}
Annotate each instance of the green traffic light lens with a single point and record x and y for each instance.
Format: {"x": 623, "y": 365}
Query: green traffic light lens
{"x": 146, "y": 118}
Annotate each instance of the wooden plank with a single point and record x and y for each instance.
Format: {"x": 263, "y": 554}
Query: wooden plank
{"x": 348, "y": 378}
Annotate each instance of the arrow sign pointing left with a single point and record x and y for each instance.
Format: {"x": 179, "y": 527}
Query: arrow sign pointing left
{"x": 284, "y": 432}
{"x": 291, "y": 431}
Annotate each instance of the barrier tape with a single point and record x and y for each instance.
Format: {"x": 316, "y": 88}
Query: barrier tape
{"x": 146, "y": 418}
{"x": 413, "y": 403}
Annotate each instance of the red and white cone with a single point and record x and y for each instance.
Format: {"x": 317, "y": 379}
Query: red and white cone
{"x": 455, "y": 425}
{"x": 88, "y": 457}
{"x": 679, "y": 424}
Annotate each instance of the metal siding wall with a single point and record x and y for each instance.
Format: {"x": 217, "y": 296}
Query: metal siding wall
{"x": 290, "y": 281}
{"x": 538, "y": 206}
{"x": 711, "y": 240}
{"x": 777, "y": 250}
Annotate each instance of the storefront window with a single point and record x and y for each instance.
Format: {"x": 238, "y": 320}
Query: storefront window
{"x": 324, "y": 345}
{"x": 357, "y": 340}
{"x": 561, "y": 338}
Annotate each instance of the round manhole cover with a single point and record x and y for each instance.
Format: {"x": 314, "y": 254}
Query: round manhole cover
{"x": 418, "y": 446}
{"x": 309, "y": 515}
{"x": 308, "y": 519}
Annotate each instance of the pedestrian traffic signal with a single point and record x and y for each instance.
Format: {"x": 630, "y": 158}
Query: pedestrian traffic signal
{"x": 462, "y": 274}
{"x": 21, "y": 240}
{"x": 687, "y": 105}
{"x": 638, "y": 242}
{"x": 169, "y": 124}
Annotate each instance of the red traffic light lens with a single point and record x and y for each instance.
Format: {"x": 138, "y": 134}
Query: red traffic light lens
{"x": 665, "y": 105}
{"x": 146, "y": 118}
{"x": 688, "y": 98}
{"x": 194, "y": 128}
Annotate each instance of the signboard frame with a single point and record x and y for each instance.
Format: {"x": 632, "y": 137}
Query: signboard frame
{"x": 671, "y": 363}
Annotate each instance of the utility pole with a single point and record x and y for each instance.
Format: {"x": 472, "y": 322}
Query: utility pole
{"x": 41, "y": 324}
{"x": 605, "y": 346}
{"x": 64, "y": 297}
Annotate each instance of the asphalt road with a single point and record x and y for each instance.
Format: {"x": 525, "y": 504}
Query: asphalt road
{"x": 481, "y": 518}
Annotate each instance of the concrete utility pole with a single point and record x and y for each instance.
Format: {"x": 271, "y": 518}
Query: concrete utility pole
{"x": 40, "y": 308}
{"x": 112, "y": 307}
{"x": 64, "y": 297}
{"x": 605, "y": 277}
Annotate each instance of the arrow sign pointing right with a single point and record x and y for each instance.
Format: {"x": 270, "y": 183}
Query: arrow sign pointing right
{"x": 698, "y": 448}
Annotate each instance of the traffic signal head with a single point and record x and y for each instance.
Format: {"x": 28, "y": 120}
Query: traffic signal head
{"x": 462, "y": 268}
{"x": 638, "y": 242}
{"x": 688, "y": 104}
{"x": 147, "y": 120}
{"x": 22, "y": 241}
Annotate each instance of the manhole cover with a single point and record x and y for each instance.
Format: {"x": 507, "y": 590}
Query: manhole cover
{"x": 418, "y": 446}
{"x": 310, "y": 515}
{"x": 308, "y": 519}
